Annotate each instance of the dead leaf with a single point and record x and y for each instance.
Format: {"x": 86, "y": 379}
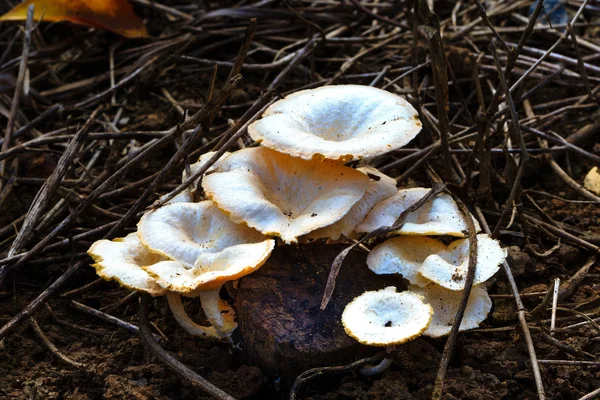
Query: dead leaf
{"x": 112, "y": 15}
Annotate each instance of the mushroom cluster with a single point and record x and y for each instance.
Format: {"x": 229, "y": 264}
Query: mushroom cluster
{"x": 295, "y": 186}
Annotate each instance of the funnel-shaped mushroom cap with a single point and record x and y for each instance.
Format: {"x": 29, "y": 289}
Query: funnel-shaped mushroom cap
{"x": 378, "y": 190}
{"x": 282, "y": 195}
{"x": 445, "y": 305}
{"x": 343, "y": 122}
{"x": 198, "y": 235}
{"x": 448, "y": 268}
{"x": 439, "y": 216}
{"x": 123, "y": 260}
{"x": 403, "y": 255}
{"x": 385, "y": 317}
{"x": 213, "y": 269}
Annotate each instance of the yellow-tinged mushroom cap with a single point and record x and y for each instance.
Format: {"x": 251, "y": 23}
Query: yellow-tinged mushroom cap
{"x": 403, "y": 255}
{"x": 385, "y": 317}
{"x": 445, "y": 305}
{"x": 378, "y": 190}
{"x": 338, "y": 122}
{"x": 123, "y": 260}
{"x": 213, "y": 269}
{"x": 282, "y": 195}
{"x": 439, "y": 216}
{"x": 197, "y": 235}
{"x": 448, "y": 267}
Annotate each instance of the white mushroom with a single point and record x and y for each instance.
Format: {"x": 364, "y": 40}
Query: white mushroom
{"x": 440, "y": 216}
{"x": 209, "y": 249}
{"x": 422, "y": 260}
{"x": 124, "y": 260}
{"x": 385, "y": 317}
{"x": 378, "y": 190}
{"x": 403, "y": 255}
{"x": 448, "y": 268}
{"x": 338, "y": 122}
{"x": 281, "y": 195}
{"x": 195, "y": 234}
{"x": 445, "y": 304}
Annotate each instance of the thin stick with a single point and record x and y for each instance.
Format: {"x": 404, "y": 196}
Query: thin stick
{"x": 521, "y": 313}
{"x": 310, "y": 374}
{"x": 40, "y": 333}
{"x": 592, "y": 395}
{"x": 243, "y": 51}
{"x": 170, "y": 361}
{"x": 554, "y": 305}
{"x": 40, "y": 203}
{"x": 516, "y": 184}
{"x": 16, "y": 101}
{"x": 108, "y": 318}
{"x": 449, "y": 346}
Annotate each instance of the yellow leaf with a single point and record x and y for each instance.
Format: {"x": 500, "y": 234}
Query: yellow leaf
{"x": 112, "y": 15}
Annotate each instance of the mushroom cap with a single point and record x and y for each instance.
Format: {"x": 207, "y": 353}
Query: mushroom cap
{"x": 377, "y": 191}
{"x": 194, "y": 233}
{"x": 422, "y": 260}
{"x": 445, "y": 304}
{"x": 281, "y": 195}
{"x": 338, "y": 122}
{"x": 213, "y": 269}
{"x": 403, "y": 255}
{"x": 123, "y": 259}
{"x": 448, "y": 267}
{"x": 440, "y": 216}
{"x": 385, "y": 317}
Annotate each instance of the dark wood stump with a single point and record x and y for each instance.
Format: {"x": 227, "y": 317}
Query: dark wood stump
{"x": 283, "y": 330}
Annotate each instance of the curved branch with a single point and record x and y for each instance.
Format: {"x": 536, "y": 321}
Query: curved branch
{"x": 170, "y": 361}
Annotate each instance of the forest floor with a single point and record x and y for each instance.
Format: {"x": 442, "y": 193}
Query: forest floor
{"x": 552, "y": 231}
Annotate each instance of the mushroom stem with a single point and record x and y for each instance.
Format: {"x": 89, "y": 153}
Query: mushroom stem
{"x": 186, "y": 322}
{"x": 218, "y": 312}
{"x": 372, "y": 370}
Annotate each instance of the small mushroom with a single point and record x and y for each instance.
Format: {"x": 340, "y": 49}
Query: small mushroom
{"x": 445, "y": 304}
{"x": 448, "y": 268}
{"x": 281, "y": 195}
{"x": 403, "y": 255}
{"x": 386, "y": 317}
{"x": 195, "y": 234}
{"x": 439, "y": 216}
{"x": 209, "y": 249}
{"x": 124, "y": 260}
{"x": 338, "y": 122}
{"x": 422, "y": 260}
{"x": 379, "y": 189}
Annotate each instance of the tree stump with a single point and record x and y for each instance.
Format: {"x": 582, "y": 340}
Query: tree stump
{"x": 283, "y": 330}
